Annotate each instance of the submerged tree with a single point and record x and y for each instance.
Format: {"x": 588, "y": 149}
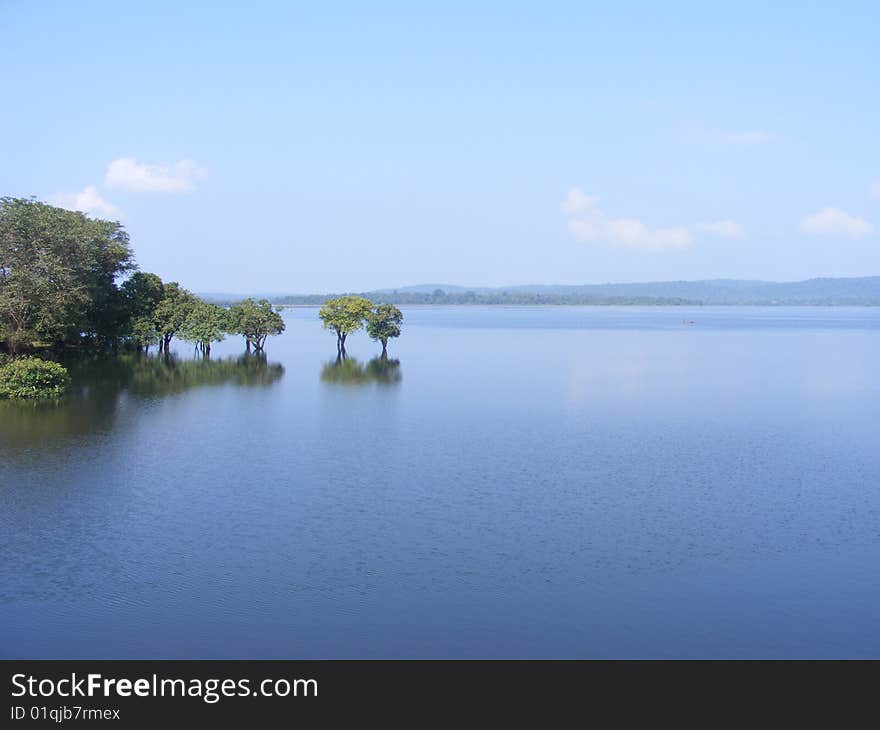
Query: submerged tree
{"x": 206, "y": 323}
{"x": 383, "y": 323}
{"x": 344, "y": 315}
{"x": 172, "y": 311}
{"x": 142, "y": 333}
{"x": 255, "y": 320}
{"x": 141, "y": 294}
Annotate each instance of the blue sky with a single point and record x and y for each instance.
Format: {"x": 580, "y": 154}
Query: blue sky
{"x": 292, "y": 147}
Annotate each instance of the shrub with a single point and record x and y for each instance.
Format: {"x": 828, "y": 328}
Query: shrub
{"x": 31, "y": 377}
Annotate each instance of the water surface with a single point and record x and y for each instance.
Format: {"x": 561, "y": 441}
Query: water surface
{"x": 512, "y": 482}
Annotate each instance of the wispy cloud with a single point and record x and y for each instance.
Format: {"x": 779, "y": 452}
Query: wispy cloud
{"x": 629, "y": 233}
{"x": 874, "y": 190}
{"x": 835, "y": 222}
{"x": 127, "y": 173}
{"x": 89, "y": 201}
{"x": 747, "y": 138}
{"x": 576, "y": 200}
{"x": 589, "y": 224}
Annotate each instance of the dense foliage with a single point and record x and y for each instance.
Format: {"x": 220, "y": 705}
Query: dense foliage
{"x": 67, "y": 280}
{"x": 383, "y": 323}
{"x": 58, "y": 272}
{"x": 206, "y": 323}
{"x": 348, "y": 314}
{"x": 172, "y": 312}
{"x": 345, "y": 315}
{"x": 31, "y": 377}
{"x": 255, "y": 321}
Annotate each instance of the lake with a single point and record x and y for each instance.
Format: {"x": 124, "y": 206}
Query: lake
{"x": 511, "y": 482}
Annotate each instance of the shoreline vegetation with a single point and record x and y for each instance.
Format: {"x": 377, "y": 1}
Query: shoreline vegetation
{"x": 853, "y": 291}
{"x": 69, "y": 284}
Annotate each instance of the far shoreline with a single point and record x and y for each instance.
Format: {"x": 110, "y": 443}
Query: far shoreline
{"x": 765, "y": 305}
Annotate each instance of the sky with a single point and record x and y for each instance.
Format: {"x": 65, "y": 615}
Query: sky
{"x": 345, "y": 146}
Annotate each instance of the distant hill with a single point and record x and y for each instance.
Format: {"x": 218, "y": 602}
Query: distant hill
{"x": 857, "y": 291}
{"x": 862, "y": 290}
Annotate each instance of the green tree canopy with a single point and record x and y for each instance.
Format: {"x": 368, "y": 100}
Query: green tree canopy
{"x": 142, "y": 292}
{"x": 142, "y": 333}
{"x": 58, "y": 271}
{"x": 344, "y": 315}
{"x": 383, "y": 323}
{"x": 255, "y": 320}
{"x": 172, "y": 311}
{"x": 206, "y": 323}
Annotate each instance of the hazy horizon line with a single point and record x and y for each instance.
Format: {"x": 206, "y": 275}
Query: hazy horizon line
{"x": 518, "y": 286}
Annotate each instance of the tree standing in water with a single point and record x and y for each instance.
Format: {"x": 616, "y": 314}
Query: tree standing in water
{"x": 255, "y": 321}
{"x": 344, "y": 315}
{"x": 205, "y": 324}
{"x": 383, "y": 323}
{"x": 171, "y": 312}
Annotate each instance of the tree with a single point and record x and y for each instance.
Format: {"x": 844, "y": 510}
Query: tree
{"x": 206, "y": 323}
{"x": 142, "y": 293}
{"x": 383, "y": 323}
{"x": 255, "y": 321}
{"x": 58, "y": 271}
{"x": 142, "y": 333}
{"x": 344, "y": 315}
{"x": 171, "y": 312}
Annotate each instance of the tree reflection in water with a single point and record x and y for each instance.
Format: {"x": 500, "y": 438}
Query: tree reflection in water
{"x": 349, "y": 371}
{"x": 100, "y": 386}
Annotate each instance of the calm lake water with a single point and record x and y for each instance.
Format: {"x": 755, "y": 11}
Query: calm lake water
{"x": 514, "y": 482}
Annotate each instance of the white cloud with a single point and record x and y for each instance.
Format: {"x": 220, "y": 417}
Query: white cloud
{"x": 576, "y": 200}
{"x": 88, "y": 201}
{"x": 724, "y": 229}
{"x": 593, "y": 226}
{"x": 835, "y": 222}
{"x": 127, "y": 173}
{"x": 874, "y": 190}
{"x": 746, "y": 138}
{"x": 629, "y": 233}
